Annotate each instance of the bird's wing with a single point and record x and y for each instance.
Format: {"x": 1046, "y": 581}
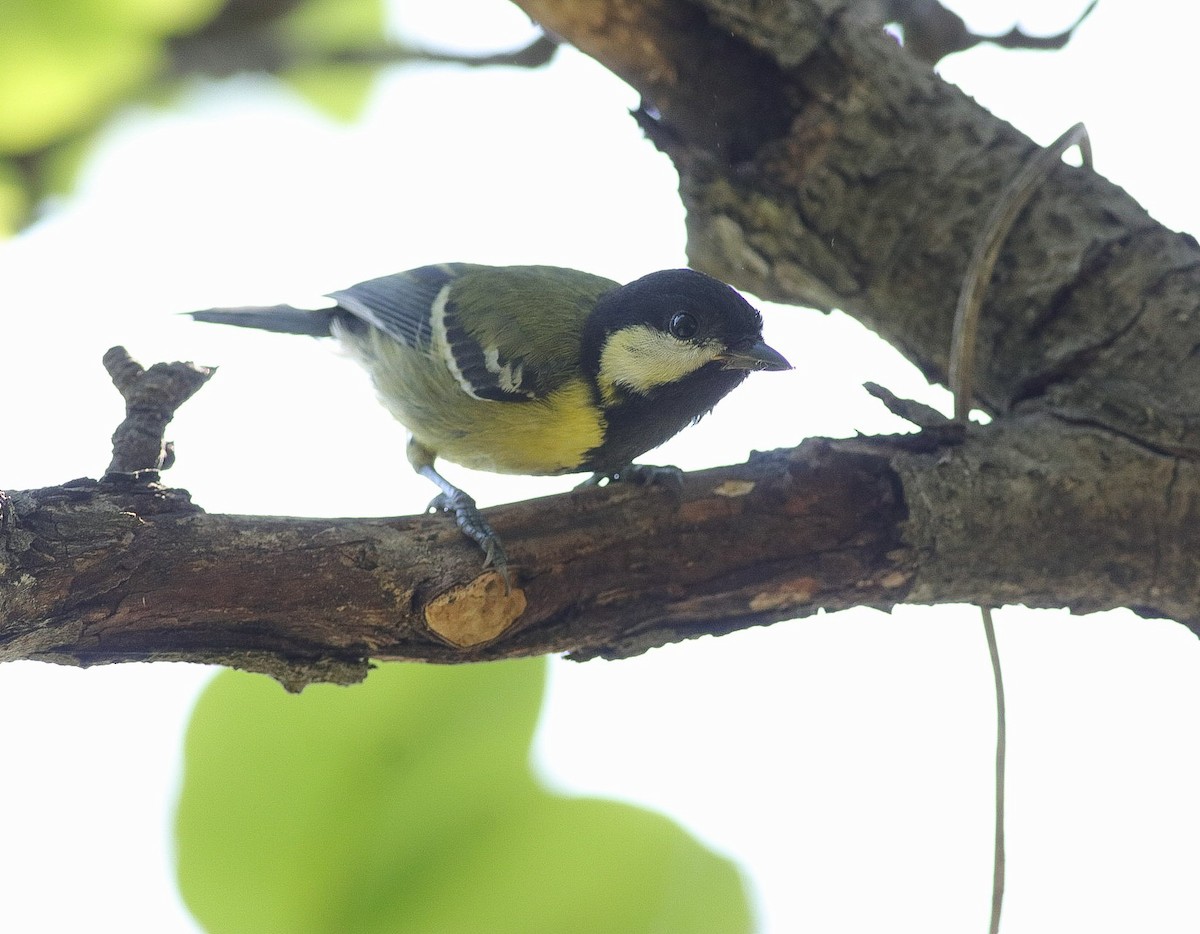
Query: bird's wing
{"x": 506, "y": 333}
{"x": 400, "y": 305}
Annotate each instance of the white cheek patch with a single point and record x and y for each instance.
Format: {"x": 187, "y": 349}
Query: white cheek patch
{"x": 640, "y": 358}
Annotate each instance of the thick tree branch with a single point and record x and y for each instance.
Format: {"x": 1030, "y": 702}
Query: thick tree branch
{"x": 1092, "y": 311}
{"x": 1091, "y": 318}
{"x": 122, "y": 570}
{"x": 100, "y": 572}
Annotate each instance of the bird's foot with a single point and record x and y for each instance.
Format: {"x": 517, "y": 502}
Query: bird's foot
{"x": 641, "y": 474}
{"x": 472, "y": 524}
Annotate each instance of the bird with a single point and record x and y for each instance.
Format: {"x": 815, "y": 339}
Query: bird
{"x": 538, "y": 370}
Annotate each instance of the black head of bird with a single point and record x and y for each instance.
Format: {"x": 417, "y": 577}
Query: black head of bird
{"x": 661, "y": 352}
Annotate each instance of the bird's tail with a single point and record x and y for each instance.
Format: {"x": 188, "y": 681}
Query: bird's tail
{"x": 282, "y": 319}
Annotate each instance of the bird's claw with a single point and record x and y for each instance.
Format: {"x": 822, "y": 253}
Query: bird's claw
{"x": 641, "y": 474}
{"x": 471, "y": 523}
{"x": 493, "y": 554}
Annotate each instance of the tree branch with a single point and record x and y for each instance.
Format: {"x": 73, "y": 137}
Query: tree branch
{"x": 1090, "y": 318}
{"x": 1091, "y": 311}
{"x": 931, "y": 32}
{"x": 126, "y": 570}
{"x": 217, "y": 54}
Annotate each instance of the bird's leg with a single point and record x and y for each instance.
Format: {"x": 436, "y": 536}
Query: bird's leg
{"x": 642, "y": 474}
{"x": 470, "y": 520}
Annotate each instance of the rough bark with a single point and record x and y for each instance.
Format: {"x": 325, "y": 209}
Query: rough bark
{"x": 801, "y": 136}
{"x": 869, "y": 190}
{"x": 127, "y": 570}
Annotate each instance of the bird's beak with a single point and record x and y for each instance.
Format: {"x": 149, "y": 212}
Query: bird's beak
{"x": 753, "y": 356}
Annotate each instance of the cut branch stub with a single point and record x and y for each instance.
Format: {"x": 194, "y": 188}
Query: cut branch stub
{"x": 151, "y": 399}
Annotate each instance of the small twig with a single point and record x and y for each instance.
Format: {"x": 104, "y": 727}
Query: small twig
{"x": 998, "y": 860}
{"x": 222, "y": 54}
{"x": 535, "y": 55}
{"x": 1016, "y": 39}
{"x": 151, "y": 398}
{"x": 987, "y": 251}
{"x": 931, "y": 31}
{"x": 925, "y": 417}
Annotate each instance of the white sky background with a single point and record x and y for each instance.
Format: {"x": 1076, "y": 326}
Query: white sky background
{"x": 845, "y": 760}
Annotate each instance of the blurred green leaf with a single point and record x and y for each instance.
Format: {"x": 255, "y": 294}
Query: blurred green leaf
{"x": 64, "y": 63}
{"x": 407, "y": 804}
{"x": 50, "y": 85}
{"x": 14, "y": 202}
{"x": 336, "y": 24}
{"x": 153, "y": 17}
{"x": 340, "y": 91}
{"x": 58, "y": 167}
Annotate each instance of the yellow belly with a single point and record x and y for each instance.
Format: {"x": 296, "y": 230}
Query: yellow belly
{"x": 547, "y": 436}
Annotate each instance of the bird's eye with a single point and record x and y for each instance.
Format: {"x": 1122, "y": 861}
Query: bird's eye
{"x": 684, "y": 326}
